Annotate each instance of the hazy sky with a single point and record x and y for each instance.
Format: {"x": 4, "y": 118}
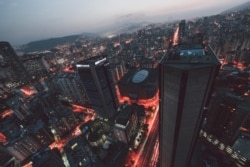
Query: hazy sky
{"x": 22, "y": 21}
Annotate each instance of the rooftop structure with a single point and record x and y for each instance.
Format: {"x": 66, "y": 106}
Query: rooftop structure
{"x": 139, "y": 84}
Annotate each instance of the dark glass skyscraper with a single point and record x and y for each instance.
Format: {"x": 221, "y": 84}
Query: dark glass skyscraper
{"x": 187, "y": 73}
{"x": 227, "y": 113}
{"x": 13, "y": 67}
{"x": 99, "y": 86}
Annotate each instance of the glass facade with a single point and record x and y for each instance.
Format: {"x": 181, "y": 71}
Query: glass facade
{"x": 99, "y": 85}
{"x": 184, "y": 90}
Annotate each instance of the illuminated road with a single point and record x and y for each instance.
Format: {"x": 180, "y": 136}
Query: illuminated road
{"x": 90, "y": 115}
{"x": 150, "y": 151}
{"x": 176, "y": 36}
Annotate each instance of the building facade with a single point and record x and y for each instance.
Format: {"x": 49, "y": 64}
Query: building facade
{"x": 12, "y": 67}
{"x": 225, "y": 117}
{"x": 98, "y": 84}
{"x": 126, "y": 124}
{"x": 187, "y": 73}
{"x": 69, "y": 87}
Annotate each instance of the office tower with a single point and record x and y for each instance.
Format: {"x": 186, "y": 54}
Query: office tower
{"x": 98, "y": 84}
{"x": 70, "y": 88}
{"x": 226, "y": 114}
{"x": 182, "y": 30}
{"x": 126, "y": 124}
{"x": 187, "y": 73}
{"x": 13, "y": 67}
{"x": 223, "y": 141}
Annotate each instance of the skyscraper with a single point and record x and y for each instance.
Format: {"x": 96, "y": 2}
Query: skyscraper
{"x": 187, "y": 73}
{"x": 13, "y": 67}
{"x": 227, "y": 113}
{"x": 99, "y": 86}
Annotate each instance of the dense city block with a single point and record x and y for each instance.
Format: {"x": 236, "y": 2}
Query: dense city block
{"x": 174, "y": 94}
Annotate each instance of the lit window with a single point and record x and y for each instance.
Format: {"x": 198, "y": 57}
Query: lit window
{"x": 216, "y": 142}
{"x": 221, "y": 146}
{"x": 243, "y": 159}
{"x": 229, "y": 150}
{"x": 235, "y": 155}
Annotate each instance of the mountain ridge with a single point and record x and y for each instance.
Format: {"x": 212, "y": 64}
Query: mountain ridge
{"x": 47, "y": 44}
{"x": 243, "y": 6}
{"x": 127, "y": 27}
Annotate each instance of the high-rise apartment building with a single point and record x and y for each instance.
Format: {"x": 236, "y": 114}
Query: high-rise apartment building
{"x": 187, "y": 73}
{"x": 12, "y": 66}
{"x": 98, "y": 84}
{"x": 69, "y": 87}
{"x": 223, "y": 133}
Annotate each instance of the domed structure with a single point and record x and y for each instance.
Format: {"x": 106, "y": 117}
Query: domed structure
{"x": 139, "y": 84}
{"x": 140, "y": 76}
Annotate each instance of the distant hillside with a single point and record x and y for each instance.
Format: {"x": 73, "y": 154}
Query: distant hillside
{"x": 125, "y": 28}
{"x": 48, "y": 44}
{"x": 240, "y": 7}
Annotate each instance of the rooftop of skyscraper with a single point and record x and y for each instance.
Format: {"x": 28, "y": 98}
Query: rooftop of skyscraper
{"x": 190, "y": 53}
{"x": 92, "y": 60}
{"x": 124, "y": 115}
{"x": 141, "y": 76}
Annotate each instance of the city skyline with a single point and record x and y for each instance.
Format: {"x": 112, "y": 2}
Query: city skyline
{"x": 25, "y": 21}
{"x": 162, "y": 75}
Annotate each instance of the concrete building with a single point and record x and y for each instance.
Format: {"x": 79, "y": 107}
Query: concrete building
{"x": 70, "y": 88}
